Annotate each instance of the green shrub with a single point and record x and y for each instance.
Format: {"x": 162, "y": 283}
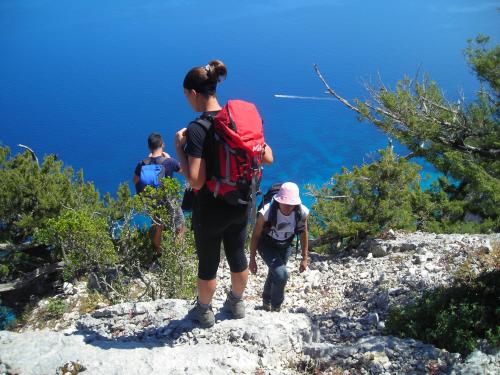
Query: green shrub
{"x": 176, "y": 275}
{"x": 91, "y": 301}
{"x": 132, "y": 242}
{"x": 4, "y": 272}
{"x": 453, "y": 318}
{"x": 15, "y": 263}
{"x": 31, "y": 194}
{"x": 450, "y": 204}
{"x": 367, "y": 200}
{"x": 83, "y": 239}
{"x": 55, "y": 308}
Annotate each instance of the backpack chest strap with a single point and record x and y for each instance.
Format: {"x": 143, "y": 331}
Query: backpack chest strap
{"x": 272, "y": 219}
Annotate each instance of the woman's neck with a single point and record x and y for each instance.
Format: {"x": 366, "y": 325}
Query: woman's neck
{"x": 212, "y": 104}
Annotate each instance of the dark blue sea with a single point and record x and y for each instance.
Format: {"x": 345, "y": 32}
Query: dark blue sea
{"x": 89, "y": 80}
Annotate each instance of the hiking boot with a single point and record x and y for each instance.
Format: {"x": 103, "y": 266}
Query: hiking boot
{"x": 204, "y": 316}
{"x": 266, "y": 306}
{"x": 275, "y": 308}
{"x": 235, "y": 305}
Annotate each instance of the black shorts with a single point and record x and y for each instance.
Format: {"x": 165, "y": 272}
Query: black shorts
{"x": 216, "y": 222}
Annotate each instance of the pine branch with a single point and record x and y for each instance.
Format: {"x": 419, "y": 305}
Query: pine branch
{"x": 456, "y": 143}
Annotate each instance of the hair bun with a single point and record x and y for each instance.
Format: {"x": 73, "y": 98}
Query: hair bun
{"x": 204, "y": 79}
{"x": 216, "y": 70}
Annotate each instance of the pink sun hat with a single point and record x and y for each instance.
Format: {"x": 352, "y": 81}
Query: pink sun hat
{"x": 288, "y": 194}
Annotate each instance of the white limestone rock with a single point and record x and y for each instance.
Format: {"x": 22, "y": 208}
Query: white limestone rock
{"x": 335, "y": 312}
{"x": 69, "y": 289}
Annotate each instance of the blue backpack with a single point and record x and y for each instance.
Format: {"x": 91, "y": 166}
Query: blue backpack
{"x": 152, "y": 172}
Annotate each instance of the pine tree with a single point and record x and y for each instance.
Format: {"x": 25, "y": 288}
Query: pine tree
{"x": 462, "y": 140}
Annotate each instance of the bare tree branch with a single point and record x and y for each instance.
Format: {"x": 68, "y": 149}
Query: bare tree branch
{"x": 380, "y": 80}
{"x": 330, "y": 197}
{"x": 330, "y": 91}
{"x": 349, "y": 105}
{"x": 31, "y": 277}
{"x": 400, "y": 125}
{"x": 434, "y": 104}
{"x": 33, "y": 155}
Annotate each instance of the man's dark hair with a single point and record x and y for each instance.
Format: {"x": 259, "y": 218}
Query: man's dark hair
{"x": 154, "y": 141}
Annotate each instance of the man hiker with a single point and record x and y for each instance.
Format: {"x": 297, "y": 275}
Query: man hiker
{"x": 278, "y": 222}
{"x": 149, "y": 172}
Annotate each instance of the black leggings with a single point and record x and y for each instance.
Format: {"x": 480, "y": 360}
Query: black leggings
{"x": 216, "y": 222}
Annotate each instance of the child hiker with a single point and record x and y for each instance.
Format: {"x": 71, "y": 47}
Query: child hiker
{"x": 277, "y": 224}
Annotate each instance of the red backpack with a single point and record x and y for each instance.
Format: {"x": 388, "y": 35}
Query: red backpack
{"x": 235, "y": 170}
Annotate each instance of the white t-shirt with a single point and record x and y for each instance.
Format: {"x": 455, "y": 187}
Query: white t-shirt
{"x": 285, "y": 225}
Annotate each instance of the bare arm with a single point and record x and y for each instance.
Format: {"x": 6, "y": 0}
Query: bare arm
{"x": 257, "y": 231}
{"x": 193, "y": 169}
{"x": 267, "y": 157}
{"x": 256, "y": 235}
{"x": 195, "y": 172}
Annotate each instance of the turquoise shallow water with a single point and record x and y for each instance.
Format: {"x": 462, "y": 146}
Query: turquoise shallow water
{"x": 90, "y": 80}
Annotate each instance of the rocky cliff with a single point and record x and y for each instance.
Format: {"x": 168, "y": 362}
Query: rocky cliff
{"x": 332, "y": 322}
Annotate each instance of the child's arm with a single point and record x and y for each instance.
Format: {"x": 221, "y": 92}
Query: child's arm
{"x": 257, "y": 231}
{"x": 304, "y": 244}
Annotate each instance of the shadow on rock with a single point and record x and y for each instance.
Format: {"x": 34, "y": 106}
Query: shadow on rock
{"x": 134, "y": 325}
{"x": 168, "y": 335}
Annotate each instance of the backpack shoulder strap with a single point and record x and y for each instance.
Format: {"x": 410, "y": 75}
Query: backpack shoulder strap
{"x": 150, "y": 160}
{"x": 160, "y": 160}
{"x": 204, "y": 122}
{"x": 147, "y": 161}
{"x": 269, "y": 194}
{"x": 272, "y": 217}
{"x": 299, "y": 223}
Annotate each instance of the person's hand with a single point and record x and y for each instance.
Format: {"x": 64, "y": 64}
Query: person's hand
{"x": 252, "y": 266}
{"x": 303, "y": 265}
{"x": 180, "y": 138}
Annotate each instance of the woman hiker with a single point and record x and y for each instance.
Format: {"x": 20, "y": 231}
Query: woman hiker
{"x": 214, "y": 220}
{"x": 277, "y": 224}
